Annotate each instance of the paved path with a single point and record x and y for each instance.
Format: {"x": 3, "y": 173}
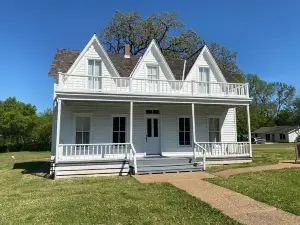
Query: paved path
{"x": 281, "y": 165}
{"x": 237, "y": 206}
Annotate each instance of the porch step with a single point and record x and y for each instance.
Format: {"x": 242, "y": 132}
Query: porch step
{"x": 91, "y": 168}
{"x": 167, "y": 165}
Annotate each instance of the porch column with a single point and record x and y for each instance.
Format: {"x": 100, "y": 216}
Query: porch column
{"x": 57, "y": 128}
{"x": 131, "y": 122}
{"x": 249, "y": 130}
{"x": 194, "y": 129}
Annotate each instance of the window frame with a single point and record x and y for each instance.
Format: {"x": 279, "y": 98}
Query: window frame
{"x": 76, "y": 115}
{"x": 191, "y": 130}
{"x": 282, "y": 137}
{"x": 220, "y": 128}
{"x": 157, "y": 70}
{"x": 209, "y": 73}
{"x": 87, "y": 66}
{"x": 112, "y": 127}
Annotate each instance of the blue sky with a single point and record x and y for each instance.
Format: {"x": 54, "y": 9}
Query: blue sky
{"x": 266, "y": 35}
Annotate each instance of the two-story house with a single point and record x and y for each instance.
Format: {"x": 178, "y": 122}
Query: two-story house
{"x": 115, "y": 114}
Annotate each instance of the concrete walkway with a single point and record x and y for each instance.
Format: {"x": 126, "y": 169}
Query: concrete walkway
{"x": 237, "y": 206}
{"x": 280, "y": 165}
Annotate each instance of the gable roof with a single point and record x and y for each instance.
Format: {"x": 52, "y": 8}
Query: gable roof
{"x": 64, "y": 59}
{"x": 190, "y": 61}
{"x": 177, "y": 67}
{"x": 155, "y": 46}
{"x": 124, "y": 65}
{"x": 276, "y": 130}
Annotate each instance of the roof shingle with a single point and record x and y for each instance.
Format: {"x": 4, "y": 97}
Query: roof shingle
{"x": 275, "y": 130}
{"x": 64, "y": 59}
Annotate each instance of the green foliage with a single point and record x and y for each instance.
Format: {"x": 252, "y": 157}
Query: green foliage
{"x": 226, "y": 61}
{"x": 138, "y": 32}
{"x": 20, "y": 126}
{"x": 274, "y": 103}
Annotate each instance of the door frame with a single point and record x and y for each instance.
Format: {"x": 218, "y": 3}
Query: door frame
{"x": 158, "y": 116}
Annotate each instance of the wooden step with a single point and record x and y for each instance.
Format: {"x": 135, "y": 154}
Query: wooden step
{"x": 86, "y": 172}
{"x": 91, "y": 167}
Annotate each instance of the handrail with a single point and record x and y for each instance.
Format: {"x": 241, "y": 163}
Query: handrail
{"x": 100, "y": 151}
{"x": 203, "y": 155}
{"x": 224, "y": 149}
{"x": 128, "y": 78}
{"x": 90, "y": 83}
{"x": 94, "y": 144}
{"x": 134, "y": 158}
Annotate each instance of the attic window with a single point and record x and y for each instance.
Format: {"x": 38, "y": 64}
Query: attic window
{"x": 152, "y": 72}
{"x": 94, "y": 67}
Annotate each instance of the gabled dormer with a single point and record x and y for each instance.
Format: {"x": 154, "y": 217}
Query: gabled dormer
{"x": 94, "y": 61}
{"x": 153, "y": 65}
{"x": 202, "y": 67}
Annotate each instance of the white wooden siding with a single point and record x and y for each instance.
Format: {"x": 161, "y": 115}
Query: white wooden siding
{"x": 292, "y": 136}
{"x": 101, "y": 129}
{"x": 151, "y": 58}
{"x": 81, "y": 68}
{"x": 194, "y": 72}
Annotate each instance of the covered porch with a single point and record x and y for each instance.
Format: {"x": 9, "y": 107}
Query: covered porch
{"x": 88, "y": 131}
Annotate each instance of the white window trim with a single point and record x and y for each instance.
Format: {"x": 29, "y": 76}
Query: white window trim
{"x": 198, "y": 73}
{"x": 207, "y": 124}
{"x": 126, "y": 128}
{"x": 191, "y": 131}
{"x": 87, "y": 65}
{"x": 74, "y": 125}
{"x": 157, "y": 69}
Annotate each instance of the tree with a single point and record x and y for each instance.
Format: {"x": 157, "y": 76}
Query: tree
{"x": 42, "y": 131}
{"x": 226, "y": 61}
{"x": 138, "y": 32}
{"x": 16, "y": 121}
{"x": 284, "y": 94}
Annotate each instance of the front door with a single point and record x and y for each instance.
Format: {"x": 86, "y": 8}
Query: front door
{"x": 152, "y": 136}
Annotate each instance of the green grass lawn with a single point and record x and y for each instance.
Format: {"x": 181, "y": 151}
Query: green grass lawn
{"x": 279, "y": 188}
{"x": 27, "y": 197}
{"x": 264, "y": 154}
{"x": 24, "y": 155}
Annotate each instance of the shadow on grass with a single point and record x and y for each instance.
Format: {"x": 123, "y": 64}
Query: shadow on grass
{"x": 36, "y": 168}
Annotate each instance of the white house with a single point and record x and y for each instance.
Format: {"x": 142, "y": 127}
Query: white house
{"x": 278, "y": 133}
{"x": 115, "y": 114}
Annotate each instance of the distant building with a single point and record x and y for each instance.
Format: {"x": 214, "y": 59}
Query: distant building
{"x": 278, "y": 133}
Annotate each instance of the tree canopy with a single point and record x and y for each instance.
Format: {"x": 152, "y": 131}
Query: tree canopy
{"x": 21, "y": 126}
{"x": 170, "y": 34}
{"x": 273, "y": 103}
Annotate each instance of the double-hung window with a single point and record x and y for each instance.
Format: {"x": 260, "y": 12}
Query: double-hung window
{"x": 184, "y": 131}
{"x": 94, "y": 72}
{"x": 119, "y": 129}
{"x": 282, "y": 137}
{"x": 203, "y": 80}
{"x": 83, "y": 124}
{"x": 214, "y": 129}
{"x": 152, "y": 73}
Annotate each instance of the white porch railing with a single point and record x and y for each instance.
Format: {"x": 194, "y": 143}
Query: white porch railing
{"x": 88, "y": 83}
{"x": 78, "y": 152}
{"x": 223, "y": 149}
{"x": 199, "y": 150}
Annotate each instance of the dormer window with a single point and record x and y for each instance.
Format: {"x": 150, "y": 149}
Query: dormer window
{"x": 203, "y": 74}
{"x": 94, "y": 67}
{"x": 94, "y": 72}
{"x": 152, "y": 72}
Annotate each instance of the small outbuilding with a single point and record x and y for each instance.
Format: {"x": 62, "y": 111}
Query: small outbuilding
{"x": 278, "y": 133}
